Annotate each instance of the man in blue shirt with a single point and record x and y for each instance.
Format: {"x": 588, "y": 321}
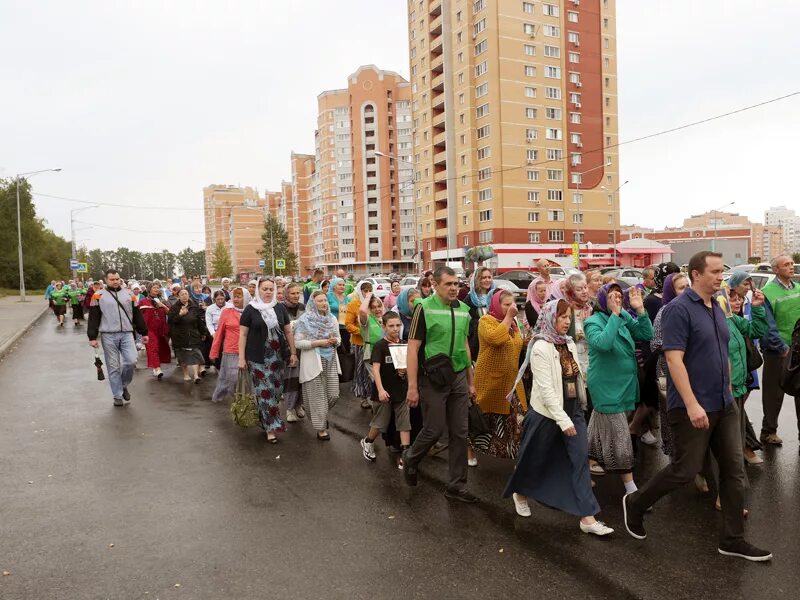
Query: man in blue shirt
{"x": 701, "y": 411}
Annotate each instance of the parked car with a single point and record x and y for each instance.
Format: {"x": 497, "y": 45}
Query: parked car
{"x": 519, "y": 277}
{"x": 629, "y": 275}
{"x": 519, "y": 294}
{"x": 409, "y": 282}
{"x": 561, "y": 272}
{"x": 381, "y": 286}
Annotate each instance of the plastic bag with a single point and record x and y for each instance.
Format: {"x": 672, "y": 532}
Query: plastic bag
{"x": 243, "y": 407}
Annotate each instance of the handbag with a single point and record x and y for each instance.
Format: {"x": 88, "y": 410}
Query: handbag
{"x": 478, "y": 424}
{"x": 347, "y": 363}
{"x": 439, "y": 367}
{"x": 243, "y": 407}
{"x": 754, "y": 358}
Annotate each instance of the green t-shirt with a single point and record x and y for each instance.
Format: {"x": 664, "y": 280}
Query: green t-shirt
{"x": 75, "y": 295}
{"x": 59, "y": 297}
{"x": 785, "y": 304}
{"x": 348, "y": 287}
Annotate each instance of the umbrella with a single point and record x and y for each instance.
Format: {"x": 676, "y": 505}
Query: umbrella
{"x": 99, "y": 364}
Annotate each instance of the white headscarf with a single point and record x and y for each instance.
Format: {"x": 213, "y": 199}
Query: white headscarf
{"x": 267, "y": 309}
{"x": 359, "y": 294}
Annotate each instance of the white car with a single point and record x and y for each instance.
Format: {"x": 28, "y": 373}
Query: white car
{"x": 381, "y": 286}
{"x": 409, "y": 282}
{"x": 519, "y": 294}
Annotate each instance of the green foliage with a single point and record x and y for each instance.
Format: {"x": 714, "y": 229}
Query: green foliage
{"x": 221, "y": 261}
{"x": 796, "y": 258}
{"x": 275, "y": 237}
{"x": 191, "y": 262}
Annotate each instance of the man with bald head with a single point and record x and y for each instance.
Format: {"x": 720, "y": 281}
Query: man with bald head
{"x": 543, "y": 265}
{"x": 348, "y": 283}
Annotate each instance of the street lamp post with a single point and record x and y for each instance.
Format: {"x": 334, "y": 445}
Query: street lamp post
{"x": 616, "y": 209}
{"x": 716, "y": 210}
{"x": 417, "y": 247}
{"x": 29, "y": 174}
{"x": 578, "y": 197}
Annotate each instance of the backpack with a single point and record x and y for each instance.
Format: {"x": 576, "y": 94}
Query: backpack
{"x": 790, "y": 377}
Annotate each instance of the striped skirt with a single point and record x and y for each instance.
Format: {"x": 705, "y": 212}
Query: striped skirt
{"x": 610, "y": 442}
{"x": 321, "y": 394}
{"x": 362, "y": 382}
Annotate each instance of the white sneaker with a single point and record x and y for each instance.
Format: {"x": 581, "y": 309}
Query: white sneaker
{"x": 368, "y": 449}
{"x": 301, "y": 413}
{"x": 596, "y": 528}
{"x": 158, "y": 373}
{"x": 649, "y": 439}
{"x": 291, "y": 416}
{"x": 523, "y": 510}
{"x": 472, "y": 462}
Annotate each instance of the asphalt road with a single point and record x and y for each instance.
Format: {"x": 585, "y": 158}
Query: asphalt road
{"x": 166, "y": 498}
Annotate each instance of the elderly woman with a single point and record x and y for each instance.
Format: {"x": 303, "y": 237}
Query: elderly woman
{"x": 576, "y": 292}
{"x": 316, "y": 336}
{"x": 552, "y": 467}
{"x": 292, "y": 392}
{"x": 535, "y": 300}
{"x": 225, "y": 349}
{"x": 213, "y": 313}
{"x": 614, "y": 378}
{"x": 155, "y": 311}
{"x": 495, "y": 371}
{"x": 362, "y": 384}
{"x": 481, "y": 289}
{"x": 188, "y": 330}
{"x": 59, "y": 296}
{"x": 594, "y": 281}
{"x": 198, "y": 296}
{"x": 265, "y": 338}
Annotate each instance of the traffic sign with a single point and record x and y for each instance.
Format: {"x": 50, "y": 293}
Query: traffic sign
{"x": 280, "y": 263}
{"x": 73, "y": 264}
{"x": 262, "y": 263}
{"x": 576, "y": 254}
{"x": 82, "y": 268}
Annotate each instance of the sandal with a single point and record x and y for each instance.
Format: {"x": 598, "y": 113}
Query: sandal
{"x": 272, "y": 440}
{"x": 323, "y": 436}
{"x": 596, "y": 469}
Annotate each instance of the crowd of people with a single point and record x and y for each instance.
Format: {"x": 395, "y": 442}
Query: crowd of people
{"x": 567, "y": 388}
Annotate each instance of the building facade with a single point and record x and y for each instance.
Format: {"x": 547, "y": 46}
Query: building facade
{"x": 514, "y": 123}
{"x": 299, "y": 210}
{"x": 789, "y": 223}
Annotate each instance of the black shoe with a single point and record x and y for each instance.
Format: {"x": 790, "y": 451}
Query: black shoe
{"x": 742, "y": 549}
{"x": 633, "y": 523}
{"x": 126, "y": 395}
{"x": 409, "y": 472}
{"x": 462, "y": 495}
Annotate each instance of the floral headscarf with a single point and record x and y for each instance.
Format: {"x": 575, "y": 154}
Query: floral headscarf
{"x": 531, "y": 297}
{"x": 662, "y": 271}
{"x": 496, "y": 310}
{"x": 267, "y": 309}
{"x": 582, "y": 309}
{"x": 478, "y": 299}
{"x": 314, "y": 325}
{"x": 602, "y": 296}
{"x": 545, "y": 328}
{"x": 230, "y": 304}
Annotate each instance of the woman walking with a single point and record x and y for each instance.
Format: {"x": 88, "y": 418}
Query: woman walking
{"x": 188, "y": 330}
{"x": 292, "y": 391}
{"x": 405, "y": 308}
{"x": 317, "y": 335}
{"x": 537, "y": 296}
{"x": 362, "y": 384}
{"x": 76, "y": 295}
{"x": 495, "y": 372}
{"x": 155, "y": 311}
{"x": 337, "y": 303}
{"x": 614, "y": 378}
{"x": 213, "y": 313}
{"x": 369, "y": 318}
{"x": 425, "y": 286}
{"x": 481, "y": 289}
{"x": 265, "y": 336}
{"x": 59, "y": 296}
{"x": 225, "y": 348}
{"x": 552, "y": 467}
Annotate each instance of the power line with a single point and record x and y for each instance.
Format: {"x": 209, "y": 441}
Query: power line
{"x": 137, "y": 230}
{"x": 115, "y": 205}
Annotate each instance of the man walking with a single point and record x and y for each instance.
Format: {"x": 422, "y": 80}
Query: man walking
{"x": 314, "y": 284}
{"x": 783, "y": 300}
{"x": 439, "y": 327}
{"x": 114, "y": 316}
{"x": 701, "y": 411}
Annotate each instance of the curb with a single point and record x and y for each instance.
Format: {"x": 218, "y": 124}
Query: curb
{"x": 8, "y": 346}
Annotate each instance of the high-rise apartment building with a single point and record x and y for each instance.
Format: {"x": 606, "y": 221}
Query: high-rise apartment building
{"x": 361, "y": 200}
{"x": 514, "y": 123}
{"x": 299, "y": 210}
{"x": 789, "y": 222}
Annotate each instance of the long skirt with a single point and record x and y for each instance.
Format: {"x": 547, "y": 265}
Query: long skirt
{"x": 610, "y": 442}
{"x": 158, "y": 352}
{"x": 321, "y": 394}
{"x": 267, "y": 387}
{"x": 188, "y": 356}
{"x": 292, "y": 392}
{"x": 228, "y": 376}
{"x": 499, "y": 442}
{"x": 77, "y": 312}
{"x": 552, "y": 467}
{"x": 362, "y": 382}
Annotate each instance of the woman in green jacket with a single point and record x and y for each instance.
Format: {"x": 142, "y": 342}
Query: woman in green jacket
{"x": 614, "y": 378}
{"x": 60, "y": 297}
{"x": 76, "y": 295}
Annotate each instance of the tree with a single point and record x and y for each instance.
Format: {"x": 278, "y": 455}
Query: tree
{"x": 796, "y": 258}
{"x": 276, "y": 238}
{"x": 221, "y": 261}
{"x": 192, "y": 262}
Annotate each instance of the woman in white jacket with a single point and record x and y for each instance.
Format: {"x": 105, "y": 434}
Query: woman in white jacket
{"x": 551, "y": 465}
{"x": 316, "y": 335}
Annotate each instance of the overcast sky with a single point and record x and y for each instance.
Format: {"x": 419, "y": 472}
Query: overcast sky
{"x": 144, "y": 103}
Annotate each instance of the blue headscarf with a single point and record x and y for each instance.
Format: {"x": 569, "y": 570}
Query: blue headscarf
{"x": 333, "y": 302}
{"x": 480, "y": 300}
{"x": 402, "y": 303}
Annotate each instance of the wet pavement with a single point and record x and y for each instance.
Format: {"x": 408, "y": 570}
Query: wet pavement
{"x": 166, "y": 498}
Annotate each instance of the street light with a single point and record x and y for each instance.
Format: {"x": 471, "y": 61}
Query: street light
{"x": 578, "y": 196}
{"x": 72, "y": 214}
{"x": 414, "y": 209}
{"x": 618, "y": 211}
{"x": 716, "y": 210}
{"x": 29, "y": 174}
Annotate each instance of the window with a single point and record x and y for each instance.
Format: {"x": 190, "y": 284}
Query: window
{"x": 608, "y": 101}
{"x": 555, "y": 175}
{"x": 552, "y": 113}
{"x": 605, "y": 43}
{"x": 552, "y": 93}
{"x": 551, "y": 31}
{"x": 530, "y": 71}
{"x": 605, "y": 23}
{"x": 577, "y": 178}
{"x": 485, "y": 236}
{"x": 610, "y": 198}
{"x": 480, "y": 47}
{"x": 532, "y": 154}
{"x": 478, "y": 6}
{"x": 552, "y": 51}
{"x": 481, "y": 90}
{"x": 465, "y": 219}
{"x": 552, "y": 72}
{"x": 530, "y": 92}
{"x": 574, "y": 57}
{"x": 572, "y": 16}
{"x": 460, "y": 78}
{"x": 529, "y": 50}
{"x": 577, "y": 198}
{"x": 554, "y": 154}
{"x": 461, "y": 118}
{"x": 484, "y": 195}
{"x": 531, "y": 134}
{"x": 527, "y": 7}
{"x": 533, "y": 175}
{"x": 578, "y": 237}
{"x": 480, "y": 25}
{"x": 575, "y": 97}
{"x": 484, "y": 131}
{"x": 533, "y": 216}
{"x": 484, "y": 174}
{"x": 461, "y": 96}
{"x": 607, "y": 82}
{"x": 555, "y": 235}
{"x": 530, "y": 113}
{"x": 484, "y": 152}
{"x": 485, "y": 215}
{"x": 575, "y": 159}
{"x": 554, "y": 195}
{"x": 533, "y": 237}
{"x": 574, "y": 38}
{"x": 553, "y": 133}
{"x": 481, "y": 111}
{"x": 481, "y": 68}
{"x": 575, "y": 78}
{"x": 533, "y": 196}
{"x": 529, "y": 29}
{"x": 577, "y": 218}
{"x": 555, "y": 214}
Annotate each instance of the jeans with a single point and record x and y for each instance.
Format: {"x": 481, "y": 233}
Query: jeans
{"x": 724, "y": 438}
{"x": 120, "y": 352}
{"x": 772, "y": 394}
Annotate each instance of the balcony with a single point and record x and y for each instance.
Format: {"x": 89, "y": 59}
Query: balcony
{"x": 436, "y": 25}
{"x": 435, "y": 8}
{"x": 440, "y": 139}
{"x": 436, "y": 45}
{"x": 437, "y": 64}
{"x": 440, "y": 196}
{"x": 440, "y": 158}
{"x": 438, "y": 121}
{"x": 438, "y": 102}
{"x": 437, "y": 84}
{"x": 440, "y": 176}
{"x": 441, "y": 214}
{"x": 372, "y": 180}
{"x": 374, "y": 247}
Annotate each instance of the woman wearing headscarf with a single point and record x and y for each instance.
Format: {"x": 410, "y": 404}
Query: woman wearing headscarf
{"x": 495, "y": 371}
{"x": 225, "y": 348}
{"x": 265, "y": 339}
{"x": 481, "y": 289}
{"x": 655, "y": 299}
{"x": 405, "y": 308}
{"x": 535, "y": 300}
{"x": 292, "y": 392}
{"x": 614, "y": 378}
{"x": 188, "y": 330}
{"x": 155, "y": 311}
{"x": 576, "y": 293}
{"x": 390, "y": 301}
{"x": 362, "y": 384}
{"x": 316, "y": 336}
{"x": 551, "y": 466}
{"x": 76, "y": 293}
{"x": 213, "y": 313}
{"x": 370, "y": 319}
{"x": 337, "y": 304}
